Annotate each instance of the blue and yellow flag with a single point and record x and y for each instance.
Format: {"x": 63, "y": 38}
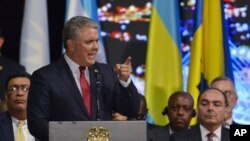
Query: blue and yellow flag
{"x": 210, "y": 55}
{"x": 163, "y": 62}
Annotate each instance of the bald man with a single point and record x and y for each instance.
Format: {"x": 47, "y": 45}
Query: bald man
{"x": 179, "y": 111}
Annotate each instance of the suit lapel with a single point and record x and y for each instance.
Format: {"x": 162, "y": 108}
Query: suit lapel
{"x": 68, "y": 79}
{"x": 167, "y": 131}
{"x": 193, "y": 136}
{"x": 6, "y": 127}
{"x": 93, "y": 93}
{"x": 224, "y": 134}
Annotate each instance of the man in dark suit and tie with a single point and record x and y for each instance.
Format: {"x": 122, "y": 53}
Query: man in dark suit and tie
{"x": 76, "y": 87}
{"x": 212, "y": 106}
{"x": 13, "y": 123}
{"x": 7, "y": 67}
{"x": 179, "y": 111}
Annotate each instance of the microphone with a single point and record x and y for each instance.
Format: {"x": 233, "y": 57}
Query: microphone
{"x": 98, "y": 77}
{"x": 98, "y": 84}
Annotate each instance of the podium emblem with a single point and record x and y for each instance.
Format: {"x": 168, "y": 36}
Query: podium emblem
{"x": 98, "y": 134}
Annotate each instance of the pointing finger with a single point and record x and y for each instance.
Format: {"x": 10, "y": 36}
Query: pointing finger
{"x": 128, "y": 60}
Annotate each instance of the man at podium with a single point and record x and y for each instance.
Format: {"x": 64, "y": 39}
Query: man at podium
{"x": 76, "y": 88}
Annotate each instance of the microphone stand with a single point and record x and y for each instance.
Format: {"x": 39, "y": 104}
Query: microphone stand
{"x": 98, "y": 90}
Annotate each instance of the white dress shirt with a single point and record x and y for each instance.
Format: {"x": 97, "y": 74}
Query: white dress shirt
{"x": 227, "y": 123}
{"x": 27, "y": 135}
{"x": 204, "y": 133}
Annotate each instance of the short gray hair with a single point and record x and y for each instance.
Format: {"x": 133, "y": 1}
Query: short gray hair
{"x": 73, "y": 25}
{"x": 221, "y": 78}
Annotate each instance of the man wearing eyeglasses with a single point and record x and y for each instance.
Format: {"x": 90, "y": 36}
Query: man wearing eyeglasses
{"x": 13, "y": 123}
{"x": 226, "y": 85}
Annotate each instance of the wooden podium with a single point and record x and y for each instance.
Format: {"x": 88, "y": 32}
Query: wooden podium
{"x": 87, "y": 130}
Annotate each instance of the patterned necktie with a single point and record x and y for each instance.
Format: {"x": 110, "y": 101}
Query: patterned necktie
{"x": 85, "y": 90}
{"x": 210, "y": 136}
{"x": 20, "y": 135}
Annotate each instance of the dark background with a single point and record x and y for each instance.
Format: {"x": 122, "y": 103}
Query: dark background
{"x": 11, "y": 16}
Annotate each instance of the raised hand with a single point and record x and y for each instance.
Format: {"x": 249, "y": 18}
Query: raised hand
{"x": 124, "y": 70}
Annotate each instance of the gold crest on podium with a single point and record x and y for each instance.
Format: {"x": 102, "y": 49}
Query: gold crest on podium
{"x": 98, "y": 134}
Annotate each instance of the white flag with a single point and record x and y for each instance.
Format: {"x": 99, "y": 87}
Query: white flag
{"x": 86, "y": 8}
{"x": 34, "y": 50}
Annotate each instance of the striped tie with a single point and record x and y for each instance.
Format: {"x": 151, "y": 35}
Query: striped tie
{"x": 210, "y": 136}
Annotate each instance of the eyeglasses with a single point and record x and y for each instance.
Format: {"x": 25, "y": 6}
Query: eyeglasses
{"x": 15, "y": 89}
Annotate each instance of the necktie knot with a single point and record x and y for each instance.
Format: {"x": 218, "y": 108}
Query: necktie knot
{"x": 20, "y": 123}
{"x": 82, "y": 69}
{"x": 210, "y": 136}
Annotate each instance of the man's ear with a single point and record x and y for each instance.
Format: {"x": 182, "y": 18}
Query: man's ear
{"x": 1, "y": 42}
{"x": 70, "y": 45}
{"x": 5, "y": 96}
{"x": 227, "y": 113}
{"x": 165, "y": 111}
{"x": 194, "y": 113}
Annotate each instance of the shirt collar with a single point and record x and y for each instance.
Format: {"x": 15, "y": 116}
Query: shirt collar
{"x": 15, "y": 121}
{"x": 74, "y": 67}
{"x": 170, "y": 130}
{"x": 204, "y": 132}
{"x": 229, "y": 121}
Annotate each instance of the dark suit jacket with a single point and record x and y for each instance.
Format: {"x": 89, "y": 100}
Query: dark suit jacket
{"x": 8, "y": 67}
{"x": 6, "y": 129}
{"x": 194, "y": 134}
{"x": 159, "y": 133}
{"x": 54, "y": 96}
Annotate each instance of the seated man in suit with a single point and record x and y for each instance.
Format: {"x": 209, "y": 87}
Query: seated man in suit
{"x": 13, "y": 123}
{"x": 7, "y": 67}
{"x": 227, "y": 86}
{"x": 76, "y": 87}
{"x": 179, "y": 111}
{"x": 212, "y": 106}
